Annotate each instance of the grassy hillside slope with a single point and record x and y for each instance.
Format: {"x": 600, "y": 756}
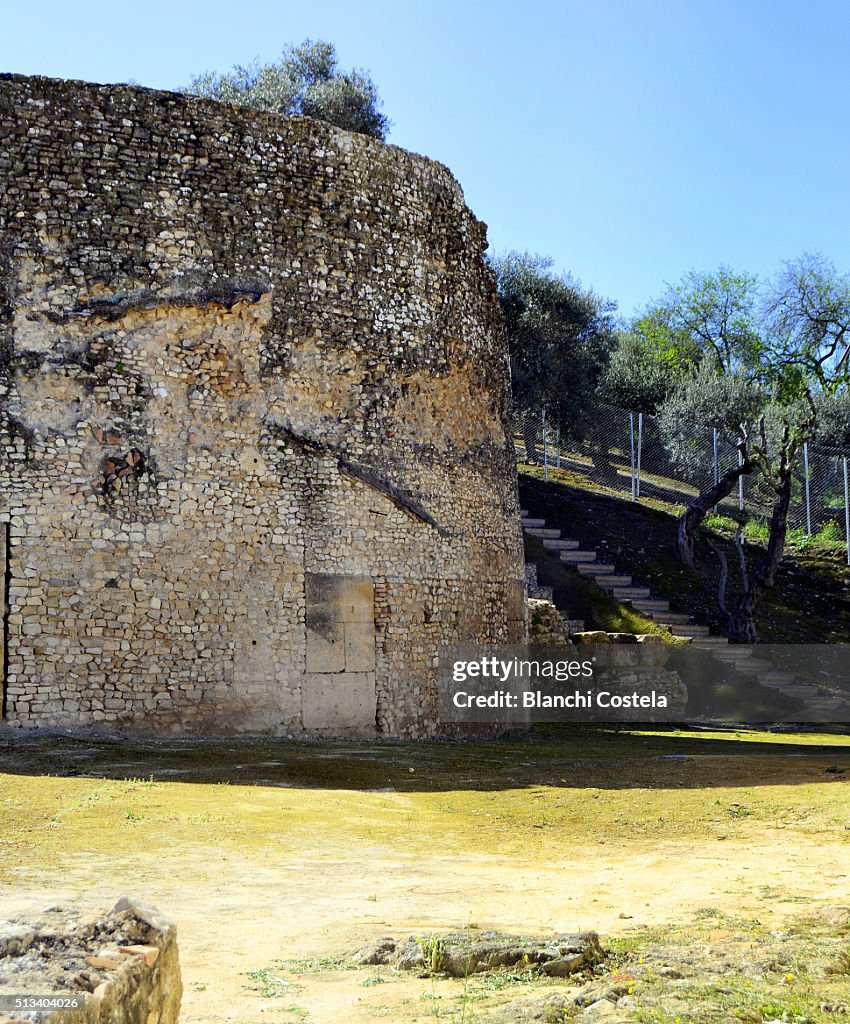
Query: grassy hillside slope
{"x": 809, "y": 604}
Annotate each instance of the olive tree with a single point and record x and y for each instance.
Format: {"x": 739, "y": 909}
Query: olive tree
{"x": 636, "y": 378}
{"x": 764, "y": 365}
{"x": 559, "y": 335}
{"x": 307, "y": 80}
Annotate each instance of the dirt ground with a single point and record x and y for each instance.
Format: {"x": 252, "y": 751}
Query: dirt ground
{"x": 266, "y": 852}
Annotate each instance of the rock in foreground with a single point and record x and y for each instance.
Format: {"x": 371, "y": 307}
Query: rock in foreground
{"x": 120, "y": 968}
{"x": 460, "y": 954}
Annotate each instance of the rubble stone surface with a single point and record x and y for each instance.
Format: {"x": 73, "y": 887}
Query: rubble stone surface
{"x": 122, "y": 967}
{"x": 255, "y": 457}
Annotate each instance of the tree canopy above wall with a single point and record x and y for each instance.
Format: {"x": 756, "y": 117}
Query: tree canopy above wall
{"x": 307, "y": 80}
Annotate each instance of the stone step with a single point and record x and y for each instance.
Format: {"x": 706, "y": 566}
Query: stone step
{"x": 777, "y": 678}
{"x": 615, "y": 580}
{"x": 825, "y": 704}
{"x": 749, "y": 666}
{"x": 654, "y": 604}
{"x": 621, "y": 587}
{"x": 523, "y": 513}
{"x": 692, "y": 629}
{"x": 668, "y": 618}
{"x": 627, "y": 593}
{"x": 735, "y": 653}
{"x": 574, "y": 557}
{"x": 799, "y": 692}
{"x": 819, "y": 705}
{"x": 594, "y": 569}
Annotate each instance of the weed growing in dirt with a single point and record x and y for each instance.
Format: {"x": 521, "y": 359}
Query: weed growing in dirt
{"x": 433, "y": 953}
{"x": 316, "y": 965}
{"x": 268, "y": 984}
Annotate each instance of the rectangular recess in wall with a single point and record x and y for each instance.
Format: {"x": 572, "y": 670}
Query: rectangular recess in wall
{"x": 339, "y": 684}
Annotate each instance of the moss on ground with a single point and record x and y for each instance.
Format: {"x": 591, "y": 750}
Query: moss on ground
{"x": 86, "y": 806}
{"x": 60, "y": 796}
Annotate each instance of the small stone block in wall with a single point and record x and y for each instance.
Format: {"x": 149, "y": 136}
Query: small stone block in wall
{"x": 345, "y": 700}
{"x": 359, "y": 647}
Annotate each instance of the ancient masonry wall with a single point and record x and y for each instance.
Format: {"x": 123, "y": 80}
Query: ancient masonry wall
{"x": 254, "y": 460}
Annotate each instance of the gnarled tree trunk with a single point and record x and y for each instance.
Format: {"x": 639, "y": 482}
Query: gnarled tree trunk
{"x": 699, "y": 509}
{"x": 741, "y": 620}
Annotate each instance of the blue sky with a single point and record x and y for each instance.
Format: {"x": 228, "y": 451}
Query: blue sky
{"x": 630, "y": 141}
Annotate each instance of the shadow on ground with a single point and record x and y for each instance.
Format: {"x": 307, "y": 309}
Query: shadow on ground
{"x": 572, "y": 756}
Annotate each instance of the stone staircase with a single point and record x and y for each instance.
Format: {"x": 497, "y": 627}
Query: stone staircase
{"x": 620, "y": 585}
{"x": 622, "y": 588}
{"x": 746, "y": 661}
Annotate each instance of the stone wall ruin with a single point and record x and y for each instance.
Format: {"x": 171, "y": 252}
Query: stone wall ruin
{"x": 254, "y": 443}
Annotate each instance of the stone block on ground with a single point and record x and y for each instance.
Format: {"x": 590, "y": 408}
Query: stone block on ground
{"x": 123, "y": 964}
{"x": 460, "y": 954}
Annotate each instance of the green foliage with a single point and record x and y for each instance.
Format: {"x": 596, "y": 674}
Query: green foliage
{"x": 830, "y": 533}
{"x": 806, "y": 313}
{"x": 433, "y": 952}
{"x": 307, "y": 80}
{"x": 833, "y": 418}
{"x": 786, "y": 340}
{"x": 753, "y": 529}
{"x": 721, "y": 524}
{"x": 699, "y": 402}
{"x": 757, "y": 529}
{"x": 268, "y": 984}
{"x": 781, "y": 1012}
{"x": 637, "y": 377}
{"x": 316, "y": 964}
{"x": 708, "y": 399}
{"x": 706, "y": 315}
{"x": 560, "y": 336}
{"x": 799, "y": 539}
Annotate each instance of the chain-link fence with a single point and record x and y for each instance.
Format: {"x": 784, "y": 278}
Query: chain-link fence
{"x": 636, "y": 454}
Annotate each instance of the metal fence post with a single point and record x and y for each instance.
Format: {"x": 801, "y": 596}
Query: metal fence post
{"x": 559, "y": 445}
{"x": 740, "y": 483}
{"x": 545, "y": 452}
{"x": 639, "y": 450}
{"x": 632, "y": 449}
{"x": 846, "y": 512}
{"x": 808, "y": 499}
{"x": 716, "y": 466}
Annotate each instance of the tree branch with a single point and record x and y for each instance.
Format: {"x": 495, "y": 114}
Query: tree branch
{"x": 742, "y": 558}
